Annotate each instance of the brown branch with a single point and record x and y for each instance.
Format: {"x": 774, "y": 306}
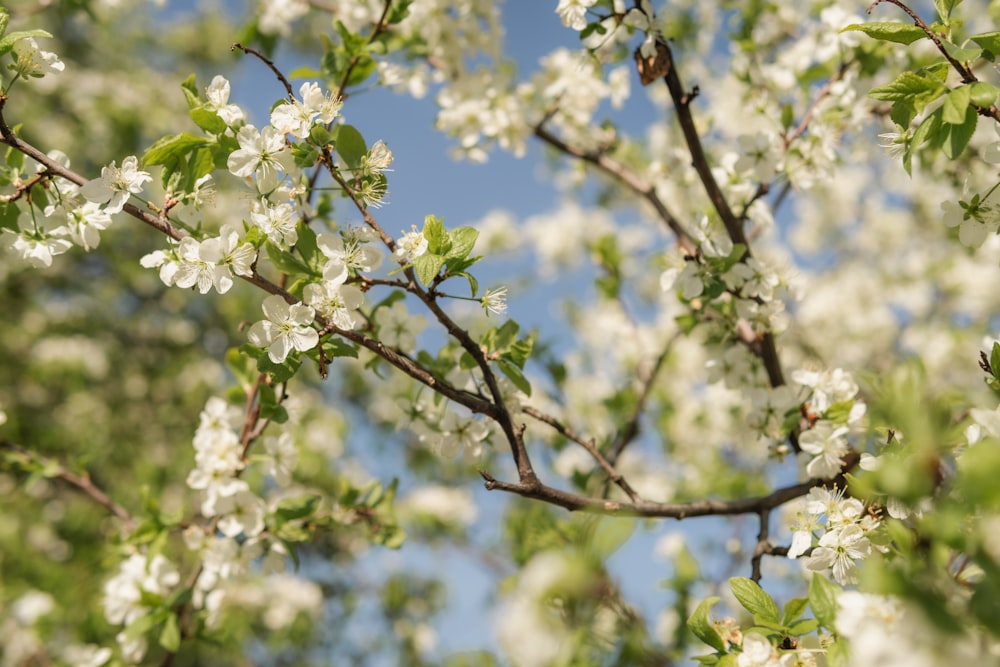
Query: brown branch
{"x": 631, "y": 429}
{"x": 965, "y": 72}
{"x": 682, "y": 103}
{"x": 82, "y": 483}
{"x": 734, "y": 226}
{"x": 820, "y": 96}
{"x": 497, "y": 410}
{"x": 588, "y": 445}
{"x": 627, "y": 177}
{"x": 763, "y": 544}
{"x": 270, "y": 63}
{"x": 644, "y": 508}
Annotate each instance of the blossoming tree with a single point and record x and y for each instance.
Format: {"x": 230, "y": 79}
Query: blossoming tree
{"x": 228, "y": 385}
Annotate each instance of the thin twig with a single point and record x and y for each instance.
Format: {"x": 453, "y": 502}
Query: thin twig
{"x": 588, "y": 445}
{"x": 82, "y": 483}
{"x": 644, "y": 508}
{"x": 628, "y": 178}
{"x": 270, "y": 63}
{"x": 631, "y": 429}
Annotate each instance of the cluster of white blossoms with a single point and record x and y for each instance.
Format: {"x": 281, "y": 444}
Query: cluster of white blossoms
{"x": 846, "y": 540}
{"x": 239, "y": 513}
{"x": 126, "y": 597}
{"x": 886, "y": 631}
{"x": 205, "y": 264}
{"x": 219, "y": 461}
{"x": 69, "y": 219}
{"x": 449, "y": 434}
{"x": 825, "y": 443}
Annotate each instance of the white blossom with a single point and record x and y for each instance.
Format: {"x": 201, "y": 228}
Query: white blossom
{"x": 116, "y": 185}
{"x": 261, "y": 154}
{"x": 286, "y": 328}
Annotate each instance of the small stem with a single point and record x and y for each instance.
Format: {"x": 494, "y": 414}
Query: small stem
{"x": 270, "y": 63}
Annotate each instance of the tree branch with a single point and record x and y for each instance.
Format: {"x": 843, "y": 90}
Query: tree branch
{"x": 628, "y": 178}
{"x": 644, "y": 508}
{"x": 82, "y": 483}
{"x": 570, "y": 434}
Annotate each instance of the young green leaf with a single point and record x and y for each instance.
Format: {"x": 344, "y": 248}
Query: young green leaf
{"x": 794, "y": 608}
{"x": 428, "y": 267}
{"x": 988, "y": 41}
{"x": 754, "y": 599}
{"x": 170, "y": 636}
{"x": 958, "y": 136}
{"x": 8, "y": 40}
{"x": 955, "y": 105}
{"x": 463, "y": 239}
{"x": 908, "y": 86}
{"x": 901, "y": 33}
{"x": 350, "y": 145}
{"x": 823, "y": 600}
{"x": 514, "y": 374}
{"x": 702, "y": 627}
{"x": 436, "y": 235}
{"x": 298, "y": 507}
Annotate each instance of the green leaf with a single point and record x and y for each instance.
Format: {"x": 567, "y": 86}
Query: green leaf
{"x": 988, "y": 41}
{"x": 8, "y": 40}
{"x": 4, "y": 20}
{"x": 754, "y": 599}
{"x": 307, "y": 248}
{"x": 320, "y": 136}
{"x": 787, "y": 115}
{"x": 144, "y": 624}
{"x": 170, "y": 150}
{"x": 190, "y": 89}
{"x": 282, "y": 372}
{"x": 285, "y": 261}
{"x": 983, "y": 94}
{"x": 903, "y": 113}
{"x": 610, "y": 533}
{"x": 506, "y": 336}
{"x": 958, "y": 136}
{"x": 995, "y": 359}
{"x": 956, "y": 103}
{"x": 702, "y": 627}
{"x": 908, "y": 86}
{"x": 521, "y": 350}
{"x": 463, "y": 239}
{"x": 473, "y": 283}
{"x": 900, "y": 33}
{"x": 838, "y": 654}
{"x": 794, "y": 608}
{"x": 9, "y": 212}
{"x": 963, "y": 55}
{"x": 927, "y": 128}
{"x": 338, "y": 347}
{"x": 350, "y": 145}
{"x": 170, "y": 636}
{"x": 823, "y": 600}
{"x": 803, "y": 627}
{"x": 208, "y": 120}
{"x": 428, "y": 267}
{"x": 438, "y": 241}
{"x": 944, "y": 8}
{"x": 299, "y": 507}
{"x": 514, "y": 374}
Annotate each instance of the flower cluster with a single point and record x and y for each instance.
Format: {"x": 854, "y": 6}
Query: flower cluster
{"x": 846, "y": 541}
{"x": 128, "y": 595}
{"x": 204, "y": 264}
